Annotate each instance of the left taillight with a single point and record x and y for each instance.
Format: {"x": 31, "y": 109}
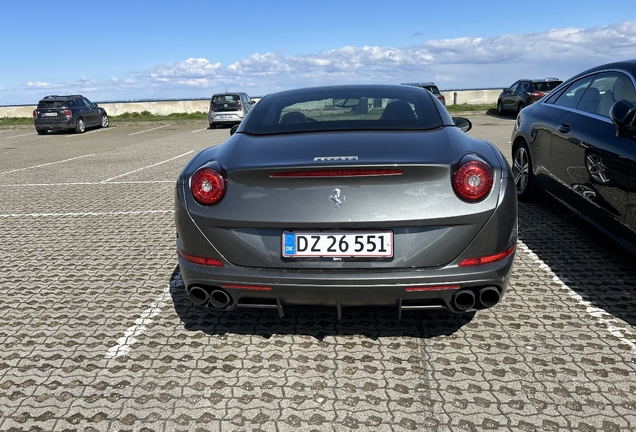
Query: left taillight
{"x": 68, "y": 113}
{"x": 207, "y": 186}
{"x": 473, "y": 181}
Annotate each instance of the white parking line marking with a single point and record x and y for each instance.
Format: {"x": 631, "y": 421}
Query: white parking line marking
{"x": 613, "y": 325}
{"x": 86, "y": 183}
{"x": 149, "y": 166}
{"x": 90, "y": 132}
{"x": 148, "y": 130}
{"x": 118, "y": 213}
{"x": 46, "y": 164}
{"x": 140, "y": 326}
{"x": 17, "y": 136}
{"x": 199, "y": 130}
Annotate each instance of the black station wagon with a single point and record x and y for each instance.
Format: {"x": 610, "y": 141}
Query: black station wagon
{"x": 73, "y": 112}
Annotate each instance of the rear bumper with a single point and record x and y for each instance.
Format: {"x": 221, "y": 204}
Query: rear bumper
{"x": 59, "y": 125}
{"x": 404, "y": 289}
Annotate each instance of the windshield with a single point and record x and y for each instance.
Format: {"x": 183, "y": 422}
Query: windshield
{"x": 344, "y": 108}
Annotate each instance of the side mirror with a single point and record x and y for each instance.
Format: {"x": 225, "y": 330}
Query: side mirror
{"x": 623, "y": 114}
{"x": 233, "y": 130}
{"x": 463, "y": 123}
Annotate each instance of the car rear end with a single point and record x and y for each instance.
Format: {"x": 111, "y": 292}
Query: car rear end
{"x": 541, "y": 88}
{"x": 52, "y": 114}
{"x": 226, "y": 109}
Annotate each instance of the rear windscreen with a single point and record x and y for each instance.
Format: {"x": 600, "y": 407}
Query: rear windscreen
{"x": 52, "y": 104}
{"x": 545, "y": 86}
{"x": 339, "y": 109}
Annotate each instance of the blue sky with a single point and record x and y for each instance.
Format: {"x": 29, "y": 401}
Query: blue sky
{"x": 123, "y": 50}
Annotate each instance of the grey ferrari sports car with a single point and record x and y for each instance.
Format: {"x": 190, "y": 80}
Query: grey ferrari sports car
{"x": 343, "y": 196}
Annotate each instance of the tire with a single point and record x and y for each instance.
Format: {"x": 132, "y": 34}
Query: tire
{"x": 41, "y": 131}
{"x": 522, "y": 172}
{"x": 80, "y": 126}
{"x": 212, "y": 126}
{"x": 500, "y": 108}
{"x": 105, "y": 121}
{"x": 520, "y": 107}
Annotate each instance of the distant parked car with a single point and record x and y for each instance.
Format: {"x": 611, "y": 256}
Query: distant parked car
{"x": 579, "y": 145}
{"x": 430, "y": 87}
{"x": 228, "y": 108}
{"x": 73, "y": 112}
{"x": 524, "y": 92}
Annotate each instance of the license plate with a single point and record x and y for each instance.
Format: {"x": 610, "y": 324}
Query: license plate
{"x": 359, "y": 244}
{"x": 225, "y": 115}
{"x": 49, "y": 114}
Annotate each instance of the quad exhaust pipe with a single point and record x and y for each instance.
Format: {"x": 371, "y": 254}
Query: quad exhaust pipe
{"x": 489, "y": 296}
{"x": 464, "y": 300}
{"x": 486, "y": 297}
{"x": 214, "y": 297}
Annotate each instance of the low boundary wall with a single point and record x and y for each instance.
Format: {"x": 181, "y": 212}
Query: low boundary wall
{"x": 453, "y": 97}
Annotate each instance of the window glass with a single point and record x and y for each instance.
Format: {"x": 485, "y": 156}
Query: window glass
{"x": 573, "y": 94}
{"x": 513, "y": 87}
{"x": 342, "y": 109}
{"x": 613, "y": 86}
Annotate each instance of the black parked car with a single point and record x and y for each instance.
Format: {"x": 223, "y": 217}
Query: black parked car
{"x": 579, "y": 145}
{"x": 523, "y": 93}
{"x": 73, "y": 112}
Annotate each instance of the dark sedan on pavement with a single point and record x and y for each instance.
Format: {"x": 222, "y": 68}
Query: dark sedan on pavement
{"x": 347, "y": 196}
{"x": 579, "y": 145}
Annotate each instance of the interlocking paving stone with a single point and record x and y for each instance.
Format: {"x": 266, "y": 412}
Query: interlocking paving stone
{"x": 73, "y": 285}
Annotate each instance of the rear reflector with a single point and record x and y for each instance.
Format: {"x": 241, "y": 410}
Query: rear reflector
{"x": 200, "y": 260}
{"x": 337, "y": 173}
{"x": 489, "y": 258}
{"x": 247, "y": 287}
{"x": 431, "y": 288}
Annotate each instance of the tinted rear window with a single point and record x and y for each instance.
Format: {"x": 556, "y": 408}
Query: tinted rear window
{"x": 52, "y": 104}
{"x": 545, "y": 86}
{"x": 344, "y": 108}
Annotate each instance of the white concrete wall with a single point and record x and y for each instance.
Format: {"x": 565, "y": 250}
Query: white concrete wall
{"x": 192, "y": 106}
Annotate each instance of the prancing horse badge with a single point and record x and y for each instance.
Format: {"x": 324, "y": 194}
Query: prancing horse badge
{"x": 335, "y": 198}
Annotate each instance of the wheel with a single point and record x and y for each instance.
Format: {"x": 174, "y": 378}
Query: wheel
{"x": 41, "y": 131}
{"x": 522, "y": 171}
{"x": 500, "y": 108}
{"x": 80, "y": 127}
{"x": 212, "y": 126}
{"x": 520, "y": 107}
{"x": 105, "y": 122}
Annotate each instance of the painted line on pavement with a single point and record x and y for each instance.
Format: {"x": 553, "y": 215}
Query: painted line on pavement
{"x": 613, "y": 325}
{"x": 140, "y": 326}
{"x": 119, "y": 213}
{"x": 149, "y": 166}
{"x": 148, "y": 130}
{"x": 46, "y": 164}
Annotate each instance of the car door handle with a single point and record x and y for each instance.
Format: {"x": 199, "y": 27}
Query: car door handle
{"x": 564, "y": 128}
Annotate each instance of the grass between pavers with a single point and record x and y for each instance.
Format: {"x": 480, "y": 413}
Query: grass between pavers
{"x": 203, "y": 116}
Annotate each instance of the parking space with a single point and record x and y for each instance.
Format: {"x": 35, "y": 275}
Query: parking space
{"x": 97, "y": 332}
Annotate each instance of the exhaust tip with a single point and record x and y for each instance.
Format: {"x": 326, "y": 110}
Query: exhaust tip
{"x": 198, "y": 295}
{"x": 489, "y": 296}
{"x": 219, "y": 299}
{"x": 464, "y": 300}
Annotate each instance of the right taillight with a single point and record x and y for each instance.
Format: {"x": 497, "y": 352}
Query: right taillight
{"x": 68, "y": 113}
{"x": 473, "y": 181}
{"x": 211, "y": 106}
{"x": 207, "y": 186}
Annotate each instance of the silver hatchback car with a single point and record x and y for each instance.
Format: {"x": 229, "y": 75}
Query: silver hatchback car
{"x": 228, "y": 108}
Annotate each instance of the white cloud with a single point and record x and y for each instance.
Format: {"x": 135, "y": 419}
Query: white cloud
{"x": 467, "y": 62}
